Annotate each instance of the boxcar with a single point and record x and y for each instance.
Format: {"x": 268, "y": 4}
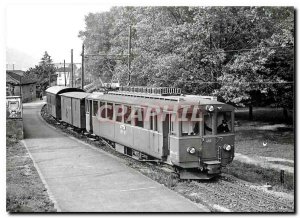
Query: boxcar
{"x": 73, "y": 108}
{"x": 54, "y": 101}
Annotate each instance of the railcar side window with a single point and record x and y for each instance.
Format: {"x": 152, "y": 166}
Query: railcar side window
{"x": 127, "y": 115}
{"x": 87, "y": 106}
{"x": 224, "y": 124}
{"x": 110, "y": 111}
{"x": 103, "y": 109}
{"x": 95, "y": 108}
{"x": 171, "y": 124}
{"x": 119, "y": 111}
{"x": 207, "y": 124}
{"x": 153, "y": 122}
{"x": 139, "y": 117}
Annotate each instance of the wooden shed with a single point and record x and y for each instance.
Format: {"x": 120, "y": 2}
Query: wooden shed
{"x": 54, "y": 99}
{"x": 73, "y": 108}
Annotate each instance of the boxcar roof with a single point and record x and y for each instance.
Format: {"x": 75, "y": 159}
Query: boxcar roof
{"x": 78, "y": 95}
{"x": 152, "y": 100}
{"x": 61, "y": 89}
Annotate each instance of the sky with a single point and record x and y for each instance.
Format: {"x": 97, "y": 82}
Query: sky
{"x": 34, "y": 29}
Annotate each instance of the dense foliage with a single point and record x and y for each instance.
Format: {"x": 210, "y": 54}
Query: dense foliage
{"x": 244, "y": 55}
{"x": 43, "y": 71}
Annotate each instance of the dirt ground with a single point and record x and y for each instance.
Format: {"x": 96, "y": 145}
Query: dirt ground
{"x": 255, "y": 138}
{"x": 267, "y": 136}
{"x": 25, "y": 191}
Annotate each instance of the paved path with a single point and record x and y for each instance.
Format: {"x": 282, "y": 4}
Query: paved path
{"x": 81, "y": 178}
{"x": 265, "y": 162}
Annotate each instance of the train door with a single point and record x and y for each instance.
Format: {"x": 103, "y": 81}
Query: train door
{"x": 166, "y": 131}
{"x": 210, "y": 148}
{"x": 154, "y": 135}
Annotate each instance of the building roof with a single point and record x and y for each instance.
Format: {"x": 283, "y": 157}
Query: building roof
{"x": 62, "y": 89}
{"x": 19, "y": 72}
{"x": 78, "y": 95}
{"x": 18, "y": 77}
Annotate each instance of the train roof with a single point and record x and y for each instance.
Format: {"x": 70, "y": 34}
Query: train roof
{"x": 61, "y": 89}
{"x": 154, "y": 100}
{"x": 78, "y": 95}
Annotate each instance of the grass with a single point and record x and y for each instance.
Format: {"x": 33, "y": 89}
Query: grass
{"x": 25, "y": 191}
{"x": 251, "y": 135}
{"x": 259, "y": 175}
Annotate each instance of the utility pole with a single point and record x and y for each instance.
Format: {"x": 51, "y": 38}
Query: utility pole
{"x": 49, "y": 78}
{"x": 21, "y": 88}
{"x": 82, "y": 67}
{"x": 129, "y": 56}
{"x": 72, "y": 68}
{"x": 65, "y": 73}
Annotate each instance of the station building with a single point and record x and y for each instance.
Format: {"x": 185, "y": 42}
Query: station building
{"x": 18, "y": 83}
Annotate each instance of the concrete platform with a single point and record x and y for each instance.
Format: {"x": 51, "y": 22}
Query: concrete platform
{"x": 81, "y": 178}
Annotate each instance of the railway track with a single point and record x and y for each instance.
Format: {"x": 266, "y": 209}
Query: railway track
{"x": 236, "y": 197}
{"x": 275, "y": 204}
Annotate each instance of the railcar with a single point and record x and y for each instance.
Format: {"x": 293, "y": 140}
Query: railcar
{"x": 54, "y": 99}
{"x": 193, "y": 133}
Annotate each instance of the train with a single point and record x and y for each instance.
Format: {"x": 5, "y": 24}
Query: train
{"x": 193, "y": 134}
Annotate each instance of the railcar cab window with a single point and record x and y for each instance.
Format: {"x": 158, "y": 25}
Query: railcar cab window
{"x": 224, "y": 124}
{"x": 207, "y": 124}
{"x": 95, "y": 108}
{"x": 189, "y": 127}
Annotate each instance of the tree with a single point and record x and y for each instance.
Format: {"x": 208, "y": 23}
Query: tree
{"x": 267, "y": 69}
{"x": 43, "y": 71}
{"x": 244, "y": 55}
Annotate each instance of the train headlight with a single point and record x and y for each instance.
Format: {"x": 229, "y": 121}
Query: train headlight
{"x": 210, "y": 108}
{"x": 191, "y": 150}
{"x": 227, "y": 147}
